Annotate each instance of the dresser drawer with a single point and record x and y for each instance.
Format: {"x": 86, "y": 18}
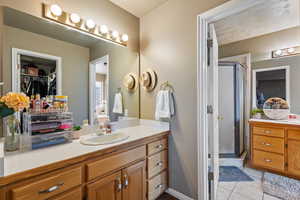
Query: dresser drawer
{"x": 157, "y": 146}
{"x": 157, "y": 186}
{"x": 157, "y": 163}
{"x": 48, "y": 187}
{"x": 268, "y": 160}
{"x": 274, "y": 132}
{"x": 271, "y": 144}
{"x": 101, "y": 167}
{"x": 294, "y": 134}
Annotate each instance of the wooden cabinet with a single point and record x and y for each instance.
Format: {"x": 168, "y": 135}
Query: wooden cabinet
{"x": 123, "y": 172}
{"x": 107, "y": 188}
{"x": 134, "y": 182}
{"x": 276, "y": 148}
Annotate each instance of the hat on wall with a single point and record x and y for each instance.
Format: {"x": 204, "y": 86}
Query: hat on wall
{"x": 129, "y": 82}
{"x": 148, "y": 80}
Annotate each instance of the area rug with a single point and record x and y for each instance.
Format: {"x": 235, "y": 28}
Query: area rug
{"x": 281, "y": 187}
{"x": 233, "y": 174}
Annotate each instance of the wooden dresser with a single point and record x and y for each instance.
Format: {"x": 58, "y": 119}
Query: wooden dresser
{"x": 275, "y": 147}
{"x": 132, "y": 171}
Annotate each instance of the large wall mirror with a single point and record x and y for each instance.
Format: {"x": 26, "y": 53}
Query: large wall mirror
{"x": 270, "y": 82}
{"x": 47, "y": 59}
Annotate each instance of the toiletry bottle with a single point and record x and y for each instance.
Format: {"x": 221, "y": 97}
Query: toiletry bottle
{"x": 37, "y": 103}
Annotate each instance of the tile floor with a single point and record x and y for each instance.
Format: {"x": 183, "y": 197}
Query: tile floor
{"x": 244, "y": 190}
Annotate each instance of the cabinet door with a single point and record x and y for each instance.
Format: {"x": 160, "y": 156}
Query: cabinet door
{"x": 134, "y": 182}
{"x": 294, "y": 157}
{"x": 107, "y": 188}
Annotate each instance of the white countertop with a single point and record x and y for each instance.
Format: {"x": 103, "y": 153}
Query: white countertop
{"x": 285, "y": 121}
{"x": 29, "y": 160}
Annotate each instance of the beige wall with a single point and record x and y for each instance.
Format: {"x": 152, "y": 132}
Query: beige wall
{"x": 261, "y": 47}
{"x": 75, "y": 61}
{"x": 169, "y": 45}
{"x": 101, "y": 11}
{"x": 121, "y": 62}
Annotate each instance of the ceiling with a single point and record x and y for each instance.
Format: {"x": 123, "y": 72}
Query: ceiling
{"x": 267, "y": 17}
{"x": 138, "y": 7}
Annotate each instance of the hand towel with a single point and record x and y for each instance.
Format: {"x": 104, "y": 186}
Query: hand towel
{"x": 165, "y": 108}
{"x": 118, "y": 104}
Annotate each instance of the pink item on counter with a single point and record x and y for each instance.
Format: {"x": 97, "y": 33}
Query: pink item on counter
{"x": 65, "y": 126}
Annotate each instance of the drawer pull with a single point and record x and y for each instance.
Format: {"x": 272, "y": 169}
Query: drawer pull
{"x": 159, "y": 164}
{"x": 266, "y": 144}
{"x": 159, "y": 146}
{"x": 126, "y": 182}
{"x": 159, "y": 186}
{"x": 268, "y": 160}
{"x": 118, "y": 184}
{"x": 51, "y": 189}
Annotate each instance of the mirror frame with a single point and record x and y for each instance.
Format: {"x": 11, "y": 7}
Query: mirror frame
{"x": 287, "y": 81}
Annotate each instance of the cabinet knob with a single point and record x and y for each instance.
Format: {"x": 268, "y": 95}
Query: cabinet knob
{"x": 268, "y": 131}
{"x": 268, "y": 160}
{"x": 126, "y": 181}
{"x": 159, "y": 186}
{"x": 51, "y": 189}
{"x": 159, "y": 164}
{"x": 118, "y": 184}
{"x": 159, "y": 146}
{"x": 266, "y": 144}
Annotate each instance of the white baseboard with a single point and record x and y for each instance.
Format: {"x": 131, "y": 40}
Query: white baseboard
{"x": 177, "y": 194}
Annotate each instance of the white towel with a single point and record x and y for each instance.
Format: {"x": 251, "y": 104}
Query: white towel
{"x": 118, "y": 104}
{"x": 165, "y": 108}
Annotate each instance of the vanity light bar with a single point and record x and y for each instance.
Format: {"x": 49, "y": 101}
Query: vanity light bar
{"x": 55, "y": 13}
{"x": 291, "y": 51}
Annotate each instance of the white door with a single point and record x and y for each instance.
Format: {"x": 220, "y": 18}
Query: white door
{"x": 213, "y": 111}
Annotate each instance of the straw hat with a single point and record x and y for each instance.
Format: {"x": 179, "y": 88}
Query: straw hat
{"x": 148, "y": 79}
{"x": 130, "y": 82}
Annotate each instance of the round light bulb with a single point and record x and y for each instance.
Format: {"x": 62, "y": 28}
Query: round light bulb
{"x": 103, "y": 29}
{"x": 278, "y": 52}
{"x": 125, "y": 37}
{"x": 115, "y": 34}
{"x": 56, "y": 10}
{"x": 75, "y": 18}
{"x": 90, "y": 24}
{"x": 291, "y": 50}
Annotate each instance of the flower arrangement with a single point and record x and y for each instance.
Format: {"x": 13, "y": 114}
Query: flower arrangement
{"x": 13, "y": 102}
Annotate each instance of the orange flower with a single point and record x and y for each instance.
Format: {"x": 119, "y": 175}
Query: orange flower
{"x": 15, "y": 101}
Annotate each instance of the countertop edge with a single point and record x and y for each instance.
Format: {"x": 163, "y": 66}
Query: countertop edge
{"x": 75, "y": 160}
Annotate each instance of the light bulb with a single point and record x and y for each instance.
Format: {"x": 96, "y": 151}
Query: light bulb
{"x": 56, "y": 10}
{"x": 115, "y": 34}
{"x": 278, "y": 52}
{"x": 291, "y": 50}
{"x": 103, "y": 29}
{"x": 90, "y": 24}
{"x": 75, "y": 18}
{"x": 125, "y": 37}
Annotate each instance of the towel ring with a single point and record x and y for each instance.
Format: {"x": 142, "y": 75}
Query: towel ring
{"x": 167, "y": 86}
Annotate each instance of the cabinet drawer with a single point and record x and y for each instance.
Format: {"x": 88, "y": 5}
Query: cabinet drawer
{"x": 268, "y": 160}
{"x": 157, "y": 146}
{"x": 271, "y": 144}
{"x": 103, "y": 166}
{"x": 275, "y": 132}
{"x": 294, "y": 134}
{"x": 157, "y": 186}
{"x": 157, "y": 163}
{"x": 75, "y": 194}
{"x": 50, "y": 186}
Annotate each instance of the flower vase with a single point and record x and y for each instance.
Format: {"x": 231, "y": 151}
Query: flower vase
{"x": 12, "y": 133}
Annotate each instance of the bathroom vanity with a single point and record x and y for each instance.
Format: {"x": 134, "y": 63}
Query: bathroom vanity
{"x": 134, "y": 169}
{"x": 275, "y": 146}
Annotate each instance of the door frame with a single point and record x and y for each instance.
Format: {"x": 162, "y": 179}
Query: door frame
{"x": 203, "y": 20}
{"x": 92, "y": 80}
{"x": 16, "y": 76}
{"x": 287, "y": 82}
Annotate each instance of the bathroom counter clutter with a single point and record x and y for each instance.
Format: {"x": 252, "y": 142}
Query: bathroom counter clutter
{"x": 285, "y": 121}
{"x": 137, "y": 166}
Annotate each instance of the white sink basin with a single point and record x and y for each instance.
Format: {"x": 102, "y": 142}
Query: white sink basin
{"x": 94, "y": 140}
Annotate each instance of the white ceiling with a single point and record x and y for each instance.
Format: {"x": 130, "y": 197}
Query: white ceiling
{"x": 270, "y": 16}
{"x": 138, "y": 7}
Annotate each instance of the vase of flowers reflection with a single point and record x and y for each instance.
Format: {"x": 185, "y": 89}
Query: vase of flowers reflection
{"x": 10, "y": 106}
